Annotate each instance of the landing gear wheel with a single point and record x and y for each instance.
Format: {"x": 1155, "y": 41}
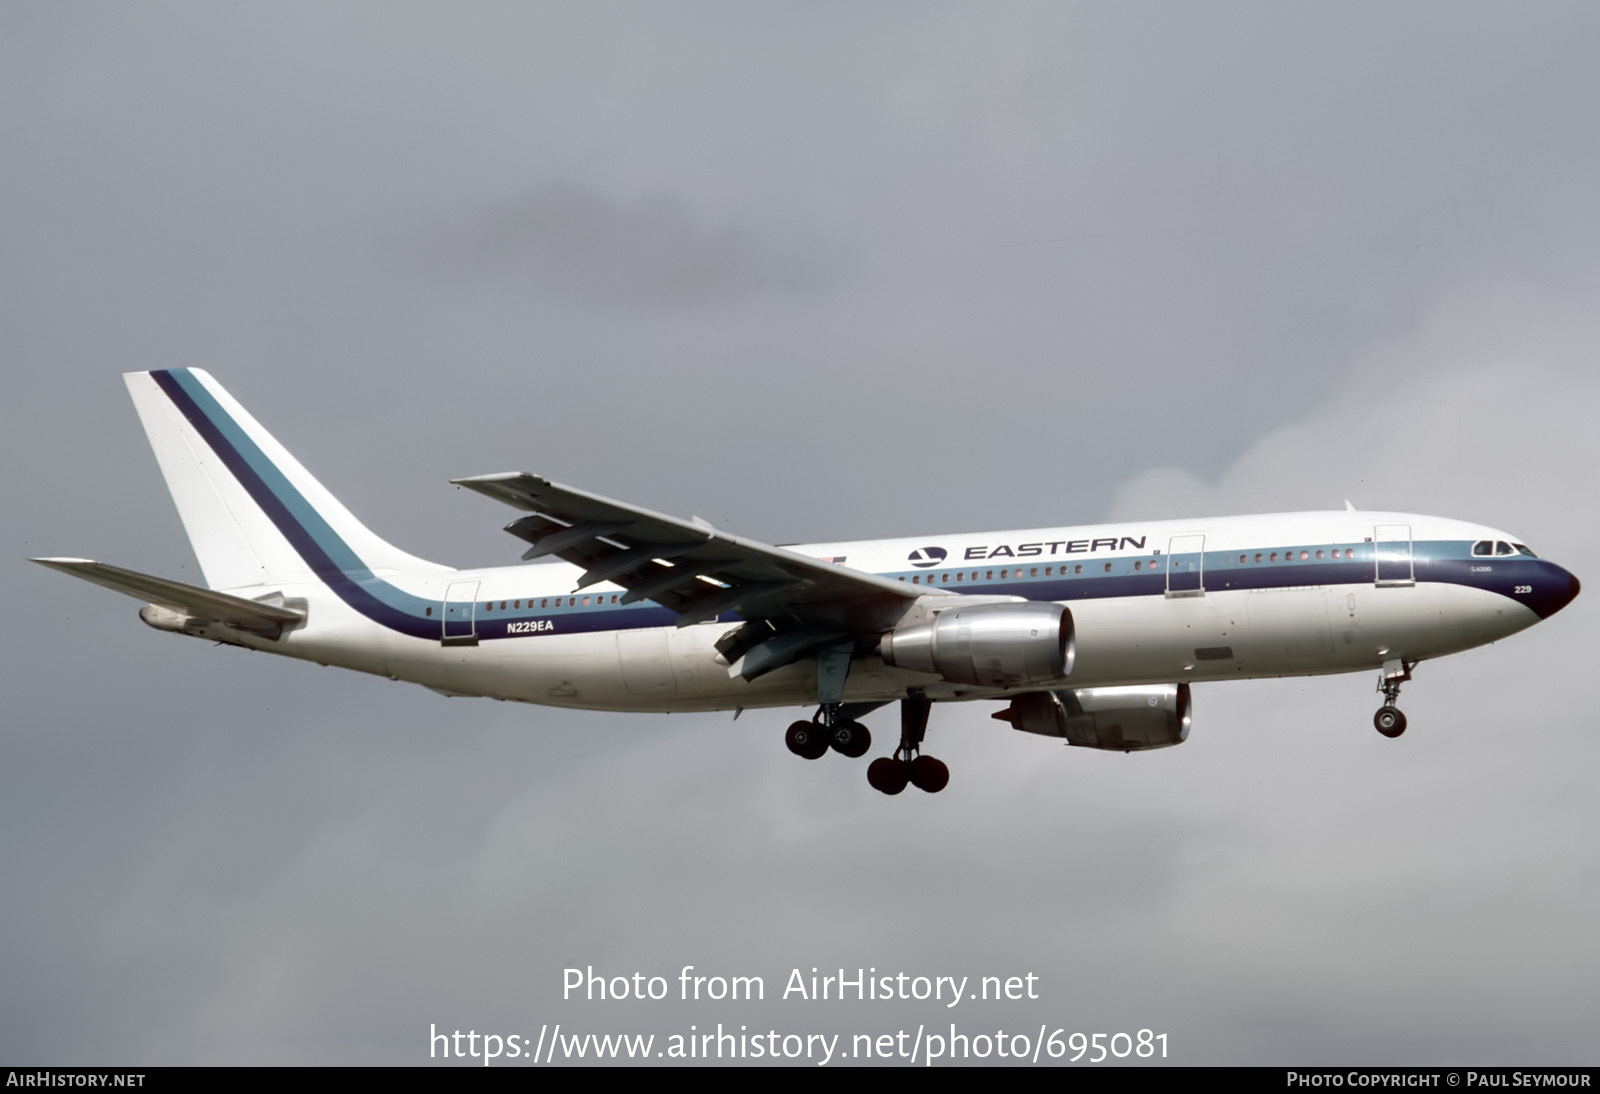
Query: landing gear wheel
{"x": 928, "y": 774}
{"x": 1389, "y": 721}
{"x": 851, "y": 739}
{"x": 807, "y": 740}
{"x": 888, "y": 776}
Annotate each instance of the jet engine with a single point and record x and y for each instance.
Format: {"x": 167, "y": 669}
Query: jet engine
{"x": 1128, "y": 719}
{"x": 992, "y": 645}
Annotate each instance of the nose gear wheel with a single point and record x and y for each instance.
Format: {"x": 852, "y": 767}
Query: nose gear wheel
{"x": 1389, "y": 720}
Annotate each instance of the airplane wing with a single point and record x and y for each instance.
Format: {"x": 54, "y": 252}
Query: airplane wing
{"x": 794, "y": 603}
{"x": 201, "y": 605}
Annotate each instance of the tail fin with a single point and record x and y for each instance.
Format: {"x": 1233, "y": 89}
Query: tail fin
{"x": 254, "y": 515}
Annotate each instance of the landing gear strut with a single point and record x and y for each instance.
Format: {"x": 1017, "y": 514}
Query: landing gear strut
{"x": 890, "y": 775}
{"x": 1389, "y": 721}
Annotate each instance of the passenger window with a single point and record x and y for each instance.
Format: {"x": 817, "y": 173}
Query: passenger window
{"x": 1108, "y": 567}
{"x": 944, "y": 579}
{"x": 545, "y": 603}
{"x": 1033, "y": 571}
{"x": 1319, "y": 556}
{"x": 1048, "y": 570}
{"x": 988, "y": 575}
{"x": 1004, "y": 574}
{"x": 1274, "y": 557}
{"x": 960, "y": 576}
{"x": 1078, "y": 569}
{"x": 1258, "y": 556}
{"x": 427, "y": 611}
{"x": 1242, "y": 558}
{"x": 916, "y": 579}
{"x": 571, "y": 601}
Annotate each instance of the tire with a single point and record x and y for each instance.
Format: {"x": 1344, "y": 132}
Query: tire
{"x": 1389, "y": 721}
{"x": 888, "y": 776}
{"x": 806, "y": 740}
{"x": 851, "y": 739}
{"x": 929, "y": 775}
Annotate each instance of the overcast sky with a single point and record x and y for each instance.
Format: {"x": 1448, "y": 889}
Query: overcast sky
{"x": 812, "y": 272}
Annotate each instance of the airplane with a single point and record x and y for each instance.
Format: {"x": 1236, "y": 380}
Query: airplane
{"x": 1093, "y": 635}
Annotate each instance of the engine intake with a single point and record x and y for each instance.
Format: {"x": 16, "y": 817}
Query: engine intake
{"x": 1127, "y": 719}
{"x": 991, "y": 645}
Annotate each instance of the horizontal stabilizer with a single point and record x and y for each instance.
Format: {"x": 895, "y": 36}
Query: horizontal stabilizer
{"x": 200, "y": 605}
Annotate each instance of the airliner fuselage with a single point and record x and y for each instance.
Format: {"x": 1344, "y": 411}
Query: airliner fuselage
{"x": 1153, "y": 602}
{"x": 1093, "y": 634}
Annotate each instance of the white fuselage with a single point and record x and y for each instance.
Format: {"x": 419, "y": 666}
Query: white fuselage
{"x": 1152, "y": 602}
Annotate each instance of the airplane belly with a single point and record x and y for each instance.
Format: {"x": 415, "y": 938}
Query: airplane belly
{"x": 1216, "y": 636}
{"x": 703, "y": 682}
{"x": 1286, "y": 630}
{"x": 1428, "y": 619}
{"x": 1156, "y": 639}
{"x": 645, "y": 663}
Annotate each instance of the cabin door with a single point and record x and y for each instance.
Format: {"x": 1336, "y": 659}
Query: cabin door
{"x": 460, "y": 600}
{"x": 1391, "y": 547}
{"x": 1186, "y": 565}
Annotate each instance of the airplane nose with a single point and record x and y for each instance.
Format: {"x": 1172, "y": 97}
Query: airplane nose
{"x": 1555, "y": 591}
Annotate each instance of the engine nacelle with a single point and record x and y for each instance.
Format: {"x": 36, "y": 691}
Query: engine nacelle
{"x": 1129, "y": 719}
{"x": 992, "y": 645}
{"x": 165, "y": 619}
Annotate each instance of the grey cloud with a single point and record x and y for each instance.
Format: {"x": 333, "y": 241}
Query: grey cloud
{"x": 571, "y": 242}
{"x": 769, "y": 273}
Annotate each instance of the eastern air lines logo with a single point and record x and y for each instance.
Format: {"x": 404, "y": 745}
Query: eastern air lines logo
{"x": 923, "y": 557}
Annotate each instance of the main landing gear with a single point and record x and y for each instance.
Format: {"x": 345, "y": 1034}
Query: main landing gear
{"x": 832, "y": 727}
{"x": 828, "y": 729}
{"x": 890, "y": 775}
{"x": 1389, "y": 721}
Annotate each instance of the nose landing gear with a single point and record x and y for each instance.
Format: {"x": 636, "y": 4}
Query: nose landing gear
{"x": 1389, "y": 721}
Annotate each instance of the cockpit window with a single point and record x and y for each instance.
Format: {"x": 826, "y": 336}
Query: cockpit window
{"x": 1501, "y": 547}
{"x": 1482, "y": 548}
{"x": 1523, "y": 548}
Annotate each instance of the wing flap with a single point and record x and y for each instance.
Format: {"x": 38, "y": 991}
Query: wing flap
{"x": 689, "y": 566}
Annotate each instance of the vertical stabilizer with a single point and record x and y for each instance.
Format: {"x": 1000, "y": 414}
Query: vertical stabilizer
{"x": 254, "y": 515}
